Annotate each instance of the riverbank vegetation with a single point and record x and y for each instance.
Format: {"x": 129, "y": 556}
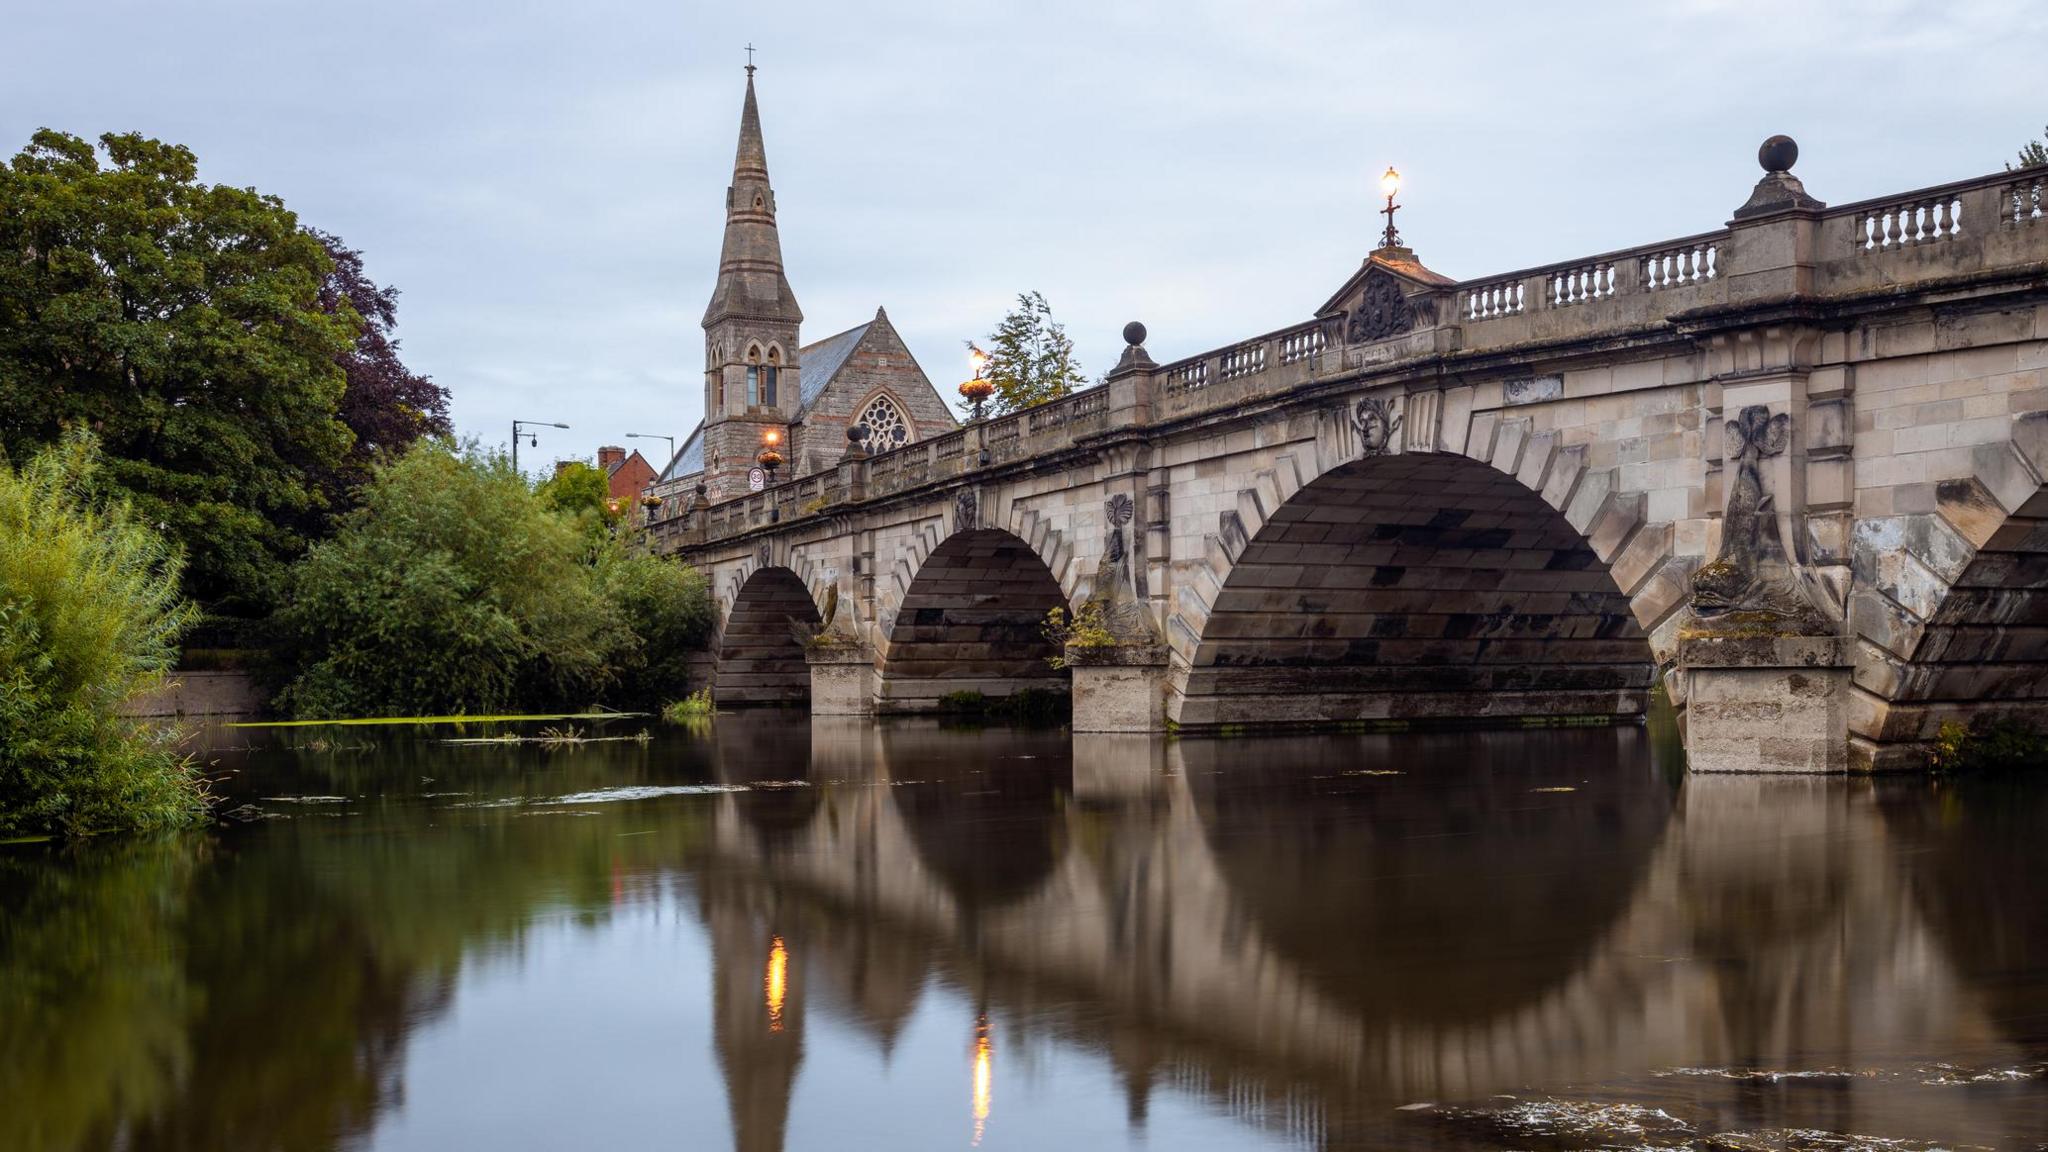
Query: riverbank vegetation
{"x": 237, "y": 366}
{"x": 90, "y": 615}
{"x": 455, "y": 588}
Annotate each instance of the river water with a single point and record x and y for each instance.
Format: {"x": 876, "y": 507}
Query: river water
{"x": 775, "y": 932}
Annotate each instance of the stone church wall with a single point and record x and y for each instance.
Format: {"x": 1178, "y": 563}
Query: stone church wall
{"x": 880, "y": 364}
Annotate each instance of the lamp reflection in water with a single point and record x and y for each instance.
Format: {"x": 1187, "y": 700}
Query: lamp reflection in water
{"x": 983, "y": 1075}
{"x": 776, "y": 982}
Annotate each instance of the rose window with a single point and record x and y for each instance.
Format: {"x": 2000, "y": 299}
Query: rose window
{"x": 886, "y": 426}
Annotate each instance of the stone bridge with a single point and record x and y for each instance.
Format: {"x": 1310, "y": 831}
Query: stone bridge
{"x": 1790, "y": 470}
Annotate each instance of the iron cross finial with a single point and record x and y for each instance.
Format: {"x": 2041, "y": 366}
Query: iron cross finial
{"x": 750, "y": 58}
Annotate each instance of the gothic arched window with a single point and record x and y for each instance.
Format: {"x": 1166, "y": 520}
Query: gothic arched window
{"x": 769, "y": 374}
{"x": 887, "y": 427}
{"x": 753, "y": 374}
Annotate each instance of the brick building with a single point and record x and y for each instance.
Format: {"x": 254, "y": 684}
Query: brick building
{"x": 761, "y": 381}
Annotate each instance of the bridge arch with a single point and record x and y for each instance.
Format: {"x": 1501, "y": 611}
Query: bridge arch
{"x": 1506, "y": 581}
{"x": 970, "y": 617}
{"x": 759, "y": 656}
{"x": 1950, "y": 608}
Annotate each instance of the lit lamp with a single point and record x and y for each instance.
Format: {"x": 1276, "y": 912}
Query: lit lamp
{"x": 1390, "y": 184}
{"x": 770, "y": 456}
{"x": 977, "y": 389}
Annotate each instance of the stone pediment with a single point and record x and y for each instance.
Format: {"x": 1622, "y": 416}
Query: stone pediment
{"x": 1391, "y": 294}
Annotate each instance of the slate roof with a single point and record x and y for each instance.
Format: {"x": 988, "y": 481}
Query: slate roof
{"x": 689, "y": 458}
{"x": 820, "y": 362}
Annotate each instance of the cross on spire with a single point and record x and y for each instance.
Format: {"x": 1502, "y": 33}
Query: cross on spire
{"x": 750, "y": 59}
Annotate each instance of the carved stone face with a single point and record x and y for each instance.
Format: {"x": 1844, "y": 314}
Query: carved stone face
{"x": 1375, "y": 421}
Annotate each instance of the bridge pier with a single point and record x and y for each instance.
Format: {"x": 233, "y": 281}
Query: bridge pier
{"x": 1765, "y": 703}
{"x": 1121, "y": 688}
{"x": 842, "y": 679}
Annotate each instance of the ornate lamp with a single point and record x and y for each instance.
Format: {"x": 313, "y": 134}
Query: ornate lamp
{"x": 770, "y": 455}
{"x": 977, "y": 389}
{"x": 1391, "y": 185}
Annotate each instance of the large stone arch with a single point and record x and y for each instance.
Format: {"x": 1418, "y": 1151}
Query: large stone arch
{"x": 1950, "y": 608}
{"x": 1505, "y": 580}
{"x": 968, "y": 614}
{"x": 759, "y": 655}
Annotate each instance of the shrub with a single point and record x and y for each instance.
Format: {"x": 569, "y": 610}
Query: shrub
{"x": 451, "y": 590}
{"x": 665, "y": 608}
{"x": 90, "y": 616}
{"x": 1993, "y": 746}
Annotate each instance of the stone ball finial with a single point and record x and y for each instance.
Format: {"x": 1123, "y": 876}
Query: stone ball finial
{"x": 1134, "y": 333}
{"x": 855, "y": 433}
{"x": 1778, "y": 154}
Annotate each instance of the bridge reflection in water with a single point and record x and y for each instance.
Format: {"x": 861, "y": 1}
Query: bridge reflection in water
{"x": 1317, "y": 933}
{"x": 841, "y": 934}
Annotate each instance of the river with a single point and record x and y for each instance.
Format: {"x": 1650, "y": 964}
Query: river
{"x": 773, "y": 932}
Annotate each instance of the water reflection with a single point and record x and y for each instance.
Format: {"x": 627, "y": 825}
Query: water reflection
{"x": 1464, "y": 941}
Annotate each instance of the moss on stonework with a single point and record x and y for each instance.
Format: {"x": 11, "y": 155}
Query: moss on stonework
{"x": 1743, "y": 625}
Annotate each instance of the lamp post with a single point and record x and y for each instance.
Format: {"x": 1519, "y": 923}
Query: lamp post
{"x": 517, "y": 425}
{"x": 656, "y": 436}
{"x": 1390, "y": 184}
{"x": 977, "y": 389}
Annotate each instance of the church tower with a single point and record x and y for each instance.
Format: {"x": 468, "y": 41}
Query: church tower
{"x": 750, "y": 328}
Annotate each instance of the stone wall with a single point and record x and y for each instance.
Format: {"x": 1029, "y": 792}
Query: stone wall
{"x": 881, "y": 364}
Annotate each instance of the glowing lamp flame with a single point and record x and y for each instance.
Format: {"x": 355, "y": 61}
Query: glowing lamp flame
{"x": 976, "y": 359}
{"x": 1390, "y": 184}
{"x": 771, "y": 436}
{"x": 776, "y": 982}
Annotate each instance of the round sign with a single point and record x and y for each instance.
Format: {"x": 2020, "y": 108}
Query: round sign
{"x": 756, "y": 479}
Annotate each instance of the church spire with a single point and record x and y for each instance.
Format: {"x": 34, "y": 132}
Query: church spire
{"x": 751, "y": 284}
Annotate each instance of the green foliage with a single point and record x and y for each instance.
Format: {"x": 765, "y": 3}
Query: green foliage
{"x": 1994, "y": 746}
{"x": 1030, "y": 357}
{"x": 2033, "y": 154}
{"x": 1088, "y": 628}
{"x": 181, "y": 322}
{"x": 456, "y": 589}
{"x": 90, "y": 616}
{"x": 690, "y": 709}
{"x": 451, "y": 589}
{"x": 665, "y": 607}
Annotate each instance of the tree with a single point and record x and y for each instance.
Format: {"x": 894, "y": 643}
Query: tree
{"x": 1030, "y": 358}
{"x": 90, "y": 616}
{"x": 182, "y": 323}
{"x": 2033, "y": 154}
{"x": 386, "y": 405}
{"x": 450, "y": 589}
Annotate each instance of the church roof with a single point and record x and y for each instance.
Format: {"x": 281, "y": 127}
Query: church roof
{"x": 819, "y": 363}
{"x": 689, "y": 458}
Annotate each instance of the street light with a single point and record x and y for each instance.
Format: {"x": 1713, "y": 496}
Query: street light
{"x": 656, "y": 436}
{"x": 977, "y": 389}
{"x": 1390, "y": 184}
{"x": 517, "y": 425}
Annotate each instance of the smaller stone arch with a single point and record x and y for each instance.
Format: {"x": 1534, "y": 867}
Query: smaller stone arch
{"x": 968, "y": 615}
{"x": 760, "y": 652}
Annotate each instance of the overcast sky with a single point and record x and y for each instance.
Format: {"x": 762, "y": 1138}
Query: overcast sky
{"x": 545, "y": 181}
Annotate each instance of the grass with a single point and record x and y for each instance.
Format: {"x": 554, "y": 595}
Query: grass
{"x": 694, "y": 707}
